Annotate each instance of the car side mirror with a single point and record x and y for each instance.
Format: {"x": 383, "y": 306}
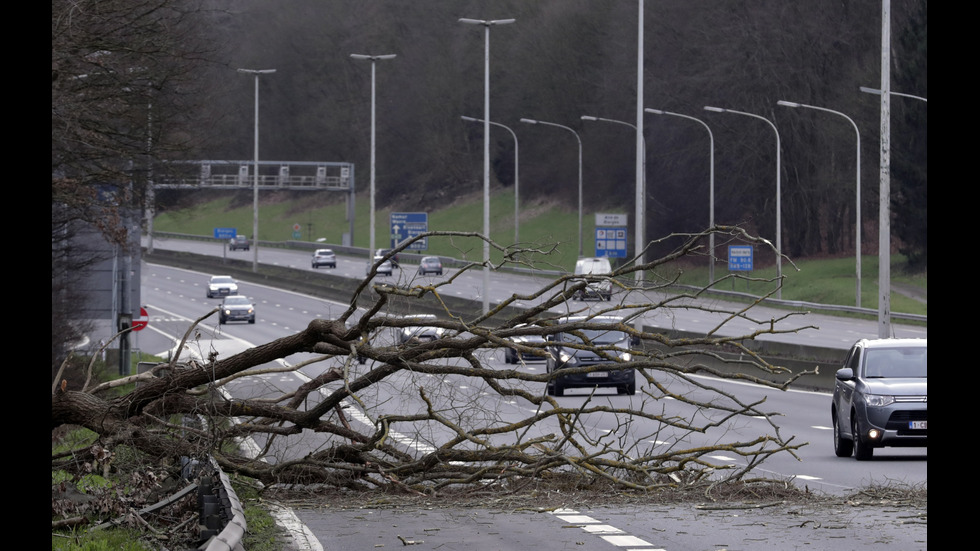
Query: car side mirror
{"x": 635, "y": 342}
{"x": 845, "y": 374}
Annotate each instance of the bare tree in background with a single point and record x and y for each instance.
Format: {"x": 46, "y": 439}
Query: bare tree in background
{"x": 123, "y": 95}
{"x": 388, "y": 421}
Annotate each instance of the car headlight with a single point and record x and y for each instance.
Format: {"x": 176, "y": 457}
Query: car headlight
{"x": 566, "y": 357}
{"x": 626, "y": 356}
{"x": 878, "y": 400}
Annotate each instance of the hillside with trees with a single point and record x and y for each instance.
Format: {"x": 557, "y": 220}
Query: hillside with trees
{"x": 562, "y": 59}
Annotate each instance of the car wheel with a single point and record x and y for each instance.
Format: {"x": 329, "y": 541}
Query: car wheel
{"x": 559, "y": 388}
{"x": 842, "y": 446}
{"x": 221, "y": 321}
{"x": 862, "y": 450}
{"x": 251, "y": 320}
{"x": 631, "y": 389}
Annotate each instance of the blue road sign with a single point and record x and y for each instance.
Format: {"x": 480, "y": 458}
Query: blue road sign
{"x": 225, "y": 233}
{"x": 405, "y": 225}
{"x": 740, "y": 258}
{"x": 610, "y": 242}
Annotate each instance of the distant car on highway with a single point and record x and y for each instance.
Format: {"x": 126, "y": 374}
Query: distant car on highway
{"x": 420, "y": 333}
{"x": 512, "y": 356}
{"x": 324, "y": 257}
{"x": 565, "y": 354}
{"x": 394, "y": 259}
{"x": 236, "y": 308}
{"x": 221, "y": 286}
{"x": 880, "y": 397}
{"x": 385, "y": 268}
{"x": 601, "y": 289}
{"x": 430, "y": 265}
{"x": 238, "y": 242}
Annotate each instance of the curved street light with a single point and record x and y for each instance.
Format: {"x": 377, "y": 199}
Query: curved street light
{"x": 857, "y": 185}
{"x": 533, "y": 121}
{"x": 373, "y": 59}
{"x": 711, "y": 187}
{"x": 878, "y": 92}
{"x": 642, "y": 177}
{"x": 779, "y": 224}
{"x": 517, "y": 220}
{"x": 487, "y": 23}
{"x": 255, "y": 175}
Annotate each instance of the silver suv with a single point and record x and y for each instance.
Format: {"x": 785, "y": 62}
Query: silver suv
{"x": 880, "y": 397}
{"x": 324, "y": 257}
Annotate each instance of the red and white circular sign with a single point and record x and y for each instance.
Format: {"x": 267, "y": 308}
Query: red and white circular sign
{"x": 142, "y": 321}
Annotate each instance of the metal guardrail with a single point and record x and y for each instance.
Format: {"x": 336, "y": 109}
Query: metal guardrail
{"x": 413, "y": 257}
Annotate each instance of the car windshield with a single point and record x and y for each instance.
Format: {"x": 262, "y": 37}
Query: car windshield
{"x": 222, "y": 280}
{"x": 596, "y": 336}
{"x": 237, "y": 301}
{"x": 895, "y": 362}
{"x": 324, "y": 252}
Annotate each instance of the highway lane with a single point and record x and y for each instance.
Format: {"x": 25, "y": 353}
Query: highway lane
{"x": 832, "y": 332}
{"x": 174, "y": 297}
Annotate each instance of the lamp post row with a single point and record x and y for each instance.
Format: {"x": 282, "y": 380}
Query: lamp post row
{"x": 640, "y": 163}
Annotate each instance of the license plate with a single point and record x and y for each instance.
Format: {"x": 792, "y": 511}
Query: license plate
{"x": 598, "y": 374}
{"x": 920, "y": 425}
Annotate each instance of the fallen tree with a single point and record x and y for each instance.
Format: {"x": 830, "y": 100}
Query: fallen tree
{"x": 413, "y": 434}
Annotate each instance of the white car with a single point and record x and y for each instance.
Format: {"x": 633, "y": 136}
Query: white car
{"x": 597, "y": 288}
{"x": 420, "y": 333}
{"x": 324, "y": 257}
{"x": 384, "y": 269}
{"x": 222, "y": 286}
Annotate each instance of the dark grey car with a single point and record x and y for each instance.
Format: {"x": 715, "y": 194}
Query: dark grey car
{"x": 567, "y": 350}
{"x": 880, "y": 397}
{"x": 236, "y": 308}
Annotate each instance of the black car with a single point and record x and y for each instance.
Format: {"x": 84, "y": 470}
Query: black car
{"x": 323, "y": 257}
{"x": 880, "y": 397}
{"x": 236, "y": 308}
{"x": 565, "y": 354}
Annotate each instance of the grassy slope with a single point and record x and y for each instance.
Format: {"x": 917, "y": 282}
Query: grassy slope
{"x": 545, "y": 227}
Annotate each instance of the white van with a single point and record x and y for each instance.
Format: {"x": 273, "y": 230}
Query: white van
{"x": 595, "y": 289}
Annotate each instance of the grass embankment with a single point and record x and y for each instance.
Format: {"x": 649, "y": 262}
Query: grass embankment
{"x": 549, "y": 228}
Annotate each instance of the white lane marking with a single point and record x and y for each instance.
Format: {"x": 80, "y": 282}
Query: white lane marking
{"x": 611, "y": 534}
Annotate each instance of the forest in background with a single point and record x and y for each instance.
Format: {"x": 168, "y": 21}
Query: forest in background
{"x": 560, "y": 60}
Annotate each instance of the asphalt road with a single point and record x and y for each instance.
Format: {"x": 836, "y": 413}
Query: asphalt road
{"x": 583, "y": 526}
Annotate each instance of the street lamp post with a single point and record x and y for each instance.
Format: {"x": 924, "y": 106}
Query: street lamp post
{"x": 373, "y": 59}
{"x": 779, "y": 223}
{"x": 711, "y": 188}
{"x": 487, "y": 23}
{"x": 857, "y": 185}
{"x": 517, "y": 220}
{"x": 641, "y": 165}
{"x": 255, "y": 171}
{"x": 577, "y": 138}
{"x": 884, "y": 199}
